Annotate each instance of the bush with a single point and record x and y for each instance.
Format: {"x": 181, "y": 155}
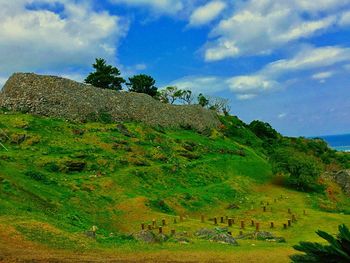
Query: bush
{"x": 302, "y": 171}
{"x": 337, "y": 250}
{"x": 37, "y": 176}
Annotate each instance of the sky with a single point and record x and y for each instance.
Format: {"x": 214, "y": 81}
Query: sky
{"x": 284, "y": 62}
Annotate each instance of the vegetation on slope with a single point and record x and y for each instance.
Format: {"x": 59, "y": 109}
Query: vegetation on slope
{"x": 58, "y": 179}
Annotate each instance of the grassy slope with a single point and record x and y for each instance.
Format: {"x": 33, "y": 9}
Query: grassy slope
{"x": 133, "y": 174}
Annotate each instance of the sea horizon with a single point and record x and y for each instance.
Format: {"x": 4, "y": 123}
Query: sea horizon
{"x": 340, "y": 142}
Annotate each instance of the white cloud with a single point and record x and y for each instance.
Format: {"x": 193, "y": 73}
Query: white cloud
{"x": 201, "y": 84}
{"x": 245, "y": 96}
{"x": 345, "y": 19}
{"x": 310, "y": 58}
{"x": 206, "y": 13}
{"x": 259, "y": 27}
{"x": 250, "y": 84}
{"x": 322, "y": 75}
{"x": 39, "y": 39}
{"x": 282, "y": 115}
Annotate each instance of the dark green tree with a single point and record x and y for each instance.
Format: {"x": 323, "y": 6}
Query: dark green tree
{"x": 336, "y": 251}
{"x": 202, "y": 100}
{"x": 302, "y": 171}
{"x": 263, "y": 130}
{"x": 105, "y": 76}
{"x": 142, "y": 84}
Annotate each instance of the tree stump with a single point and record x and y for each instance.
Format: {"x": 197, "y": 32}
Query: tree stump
{"x": 222, "y": 220}
{"x": 160, "y": 230}
{"x": 257, "y": 227}
{"x": 143, "y": 226}
{"x": 215, "y": 221}
{"x": 272, "y": 225}
{"x": 289, "y": 222}
{"x": 163, "y": 222}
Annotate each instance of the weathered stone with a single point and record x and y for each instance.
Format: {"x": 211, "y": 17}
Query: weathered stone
{"x": 58, "y": 97}
{"x": 343, "y": 179}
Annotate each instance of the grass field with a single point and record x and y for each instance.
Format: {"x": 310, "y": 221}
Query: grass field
{"x": 59, "y": 179}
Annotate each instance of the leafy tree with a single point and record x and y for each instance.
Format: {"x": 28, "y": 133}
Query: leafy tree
{"x": 105, "y": 76}
{"x": 202, "y": 100}
{"x": 142, "y": 84}
{"x": 186, "y": 96}
{"x": 302, "y": 170}
{"x": 263, "y": 130}
{"x": 170, "y": 94}
{"x": 336, "y": 251}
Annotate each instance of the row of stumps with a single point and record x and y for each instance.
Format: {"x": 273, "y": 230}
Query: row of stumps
{"x": 230, "y": 222}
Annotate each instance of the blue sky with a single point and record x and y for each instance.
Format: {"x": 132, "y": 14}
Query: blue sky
{"x": 285, "y": 62}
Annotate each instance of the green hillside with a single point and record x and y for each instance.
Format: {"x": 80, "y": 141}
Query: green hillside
{"x": 58, "y": 179}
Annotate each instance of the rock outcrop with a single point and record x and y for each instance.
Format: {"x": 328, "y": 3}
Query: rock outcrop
{"x": 63, "y": 98}
{"x": 343, "y": 179}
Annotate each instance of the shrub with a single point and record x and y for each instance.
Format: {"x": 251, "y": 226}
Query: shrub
{"x": 337, "y": 250}
{"x": 37, "y": 176}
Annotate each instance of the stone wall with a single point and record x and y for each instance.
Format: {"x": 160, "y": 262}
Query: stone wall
{"x": 63, "y": 98}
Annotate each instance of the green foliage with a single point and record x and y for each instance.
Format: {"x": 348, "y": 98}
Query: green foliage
{"x": 142, "y": 84}
{"x": 337, "y": 250}
{"x": 170, "y": 94}
{"x": 161, "y": 205}
{"x": 105, "y": 76}
{"x": 263, "y": 130}
{"x": 37, "y": 176}
{"x": 302, "y": 170}
{"x": 202, "y": 100}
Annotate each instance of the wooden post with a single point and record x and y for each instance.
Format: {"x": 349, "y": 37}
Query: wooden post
{"x": 173, "y": 232}
{"x": 143, "y": 226}
{"x": 242, "y": 224}
{"x": 264, "y": 208}
{"x": 175, "y": 221}
{"x": 294, "y": 219}
{"x": 253, "y": 223}
{"x": 154, "y": 223}
{"x": 289, "y": 222}
{"x": 285, "y": 226}
{"x": 289, "y": 211}
{"x": 149, "y": 227}
{"x": 222, "y": 220}
{"x": 257, "y": 227}
{"x": 160, "y": 230}
{"x": 215, "y": 221}
{"x": 229, "y": 222}
{"x": 163, "y": 222}
{"x": 272, "y": 225}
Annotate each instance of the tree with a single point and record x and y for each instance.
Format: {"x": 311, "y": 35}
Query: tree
{"x": 203, "y": 101}
{"x": 219, "y": 105}
{"x": 302, "y": 171}
{"x": 142, "y": 84}
{"x": 336, "y": 251}
{"x": 263, "y": 130}
{"x": 186, "y": 96}
{"x": 170, "y": 94}
{"x": 105, "y": 76}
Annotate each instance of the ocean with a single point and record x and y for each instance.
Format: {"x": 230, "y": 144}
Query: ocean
{"x": 338, "y": 142}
